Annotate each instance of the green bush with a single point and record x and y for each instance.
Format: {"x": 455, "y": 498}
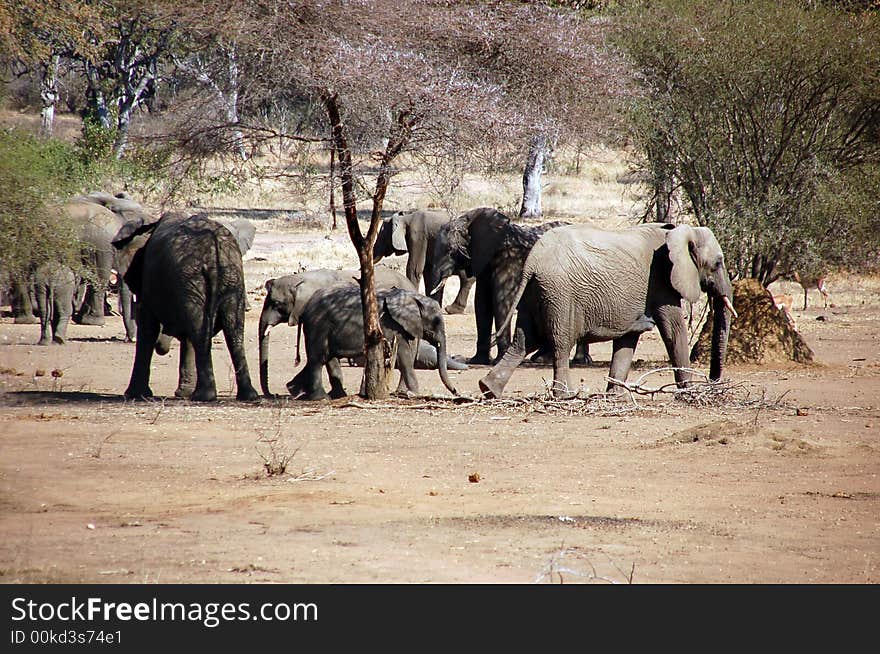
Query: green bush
{"x": 764, "y": 116}
{"x": 35, "y": 174}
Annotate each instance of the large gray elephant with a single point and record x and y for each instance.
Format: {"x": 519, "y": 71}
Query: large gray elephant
{"x": 129, "y": 211}
{"x": 486, "y": 244}
{"x": 189, "y": 281}
{"x": 333, "y": 326}
{"x": 287, "y": 296}
{"x": 614, "y": 285}
{"x": 54, "y": 288}
{"x": 244, "y": 232}
{"x": 416, "y": 232}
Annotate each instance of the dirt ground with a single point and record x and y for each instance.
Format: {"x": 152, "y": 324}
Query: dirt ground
{"x": 781, "y": 487}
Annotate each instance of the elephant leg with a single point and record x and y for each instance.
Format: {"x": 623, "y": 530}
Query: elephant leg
{"x": 500, "y": 313}
{"x": 483, "y": 312}
{"x": 126, "y": 308}
{"x": 582, "y": 354}
{"x": 148, "y": 332}
{"x": 464, "y": 289}
{"x": 672, "y": 326}
{"x": 232, "y": 324}
{"x": 624, "y": 348}
{"x": 92, "y": 312}
{"x": 561, "y": 380}
{"x": 314, "y": 387}
{"x": 334, "y": 371}
{"x": 22, "y": 307}
{"x": 406, "y": 356}
{"x": 62, "y": 303}
{"x": 297, "y": 384}
{"x": 492, "y": 385}
{"x": 186, "y": 370}
{"x": 206, "y": 385}
{"x": 44, "y": 306}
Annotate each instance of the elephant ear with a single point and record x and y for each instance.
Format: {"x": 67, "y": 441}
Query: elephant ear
{"x": 130, "y": 230}
{"x": 685, "y": 277}
{"x": 405, "y": 312}
{"x": 398, "y": 234}
{"x": 296, "y": 308}
{"x": 487, "y": 231}
{"x": 245, "y": 232}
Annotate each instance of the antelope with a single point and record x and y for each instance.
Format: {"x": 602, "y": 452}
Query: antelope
{"x": 810, "y": 280}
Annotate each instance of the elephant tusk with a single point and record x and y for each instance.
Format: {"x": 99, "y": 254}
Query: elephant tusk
{"x": 266, "y": 331}
{"x": 437, "y": 288}
{"x": 729, "y": 305}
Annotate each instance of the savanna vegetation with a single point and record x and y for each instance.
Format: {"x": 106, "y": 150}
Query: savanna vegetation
{"x": 759, "y": 119}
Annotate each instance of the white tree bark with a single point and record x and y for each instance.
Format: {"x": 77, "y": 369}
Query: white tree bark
{"x": 531, "y": 202}
{"x": 49, "y": 94}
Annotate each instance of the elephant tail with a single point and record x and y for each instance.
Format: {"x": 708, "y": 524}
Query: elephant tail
{"x": 525, "y": 277}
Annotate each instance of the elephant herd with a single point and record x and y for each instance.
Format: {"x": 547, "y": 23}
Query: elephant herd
{"x": 569, "y": 286}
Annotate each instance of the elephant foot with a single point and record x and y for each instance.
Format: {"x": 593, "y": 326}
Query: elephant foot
{"x": 184, "y": 392}
{"x": 247, "y": 395}
{"x": 490, "y": 390}
{"x": 317, "y": 395}
{"x": 129, "y": 339}
{"x": 204, "y": 395}
{"x": 97, "y": 321}
{"x": 26, "y": 320}
{"x": 480, "y": 359}
{"x": 59, "y": 340}
{"x": 336, "y": 393}
{"x": 43, "y": 341}
{"x": 454, "y": 309}
{"x": 581, "y": 361}
{"x": 132, "y": 393}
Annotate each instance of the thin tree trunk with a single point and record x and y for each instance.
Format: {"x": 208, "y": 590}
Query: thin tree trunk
{"x": 49, "y": 94}
{"x": 96, "y": 98}
{"x": 375, "y": 386}
{"x": 531, "y": 202}
{"x": 333, "y": 187}
{"x": 231, "y": 101}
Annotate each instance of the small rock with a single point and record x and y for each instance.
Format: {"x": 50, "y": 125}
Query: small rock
{"x": 57, "y": 373}
{"x": 474, "y": 477}
{"x": 802, "y": 412}
{"x": 39, "y": 373}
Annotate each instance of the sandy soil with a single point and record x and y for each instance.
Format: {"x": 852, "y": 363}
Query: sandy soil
{"x": 782, "y": 487}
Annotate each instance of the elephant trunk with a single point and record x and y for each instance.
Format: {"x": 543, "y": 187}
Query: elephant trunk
{"x": 720, "y": 332}
{"x": 264, "y": 354}
{"x": 442, "y": 364}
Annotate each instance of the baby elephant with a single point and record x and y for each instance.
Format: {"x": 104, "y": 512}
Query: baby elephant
{"x": 54, "y": 287}
{"x": 333, "y": 325}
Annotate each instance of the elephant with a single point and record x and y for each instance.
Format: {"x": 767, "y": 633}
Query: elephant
{"x": 333, "y": 325}
{"x": 189, "y": 281}
{"x": 614, "y": 285}
{"x": 54, "y": 288}
{"x": 128, "y": 210}
{"x": 244, "y": 232}
{"x": 416, "y": 232}
{"x": 287, "y": 296}
{"x": 486, "y": 244}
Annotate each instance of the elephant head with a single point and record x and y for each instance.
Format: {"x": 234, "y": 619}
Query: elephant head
{"x": 391, "y": 239}
{"x": 467, "y": 243}
{"x": 698, "y": 267}
{"x": 419, "y": 316}
{"x": 280, "y": 305}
